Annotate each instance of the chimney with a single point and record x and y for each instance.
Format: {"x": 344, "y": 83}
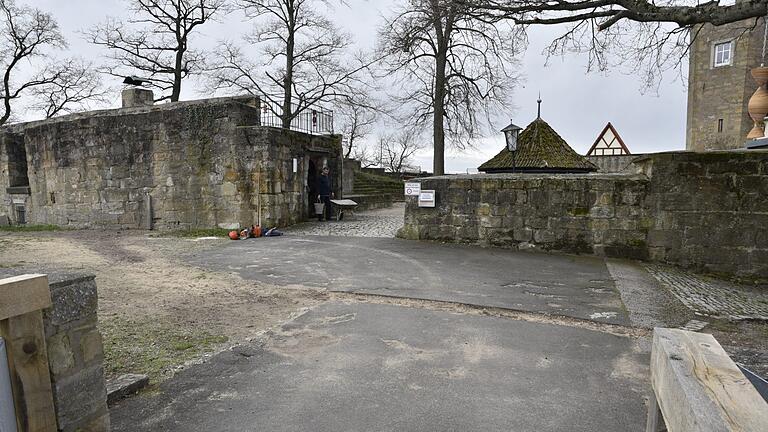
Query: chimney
{"x": 137, "y": 97}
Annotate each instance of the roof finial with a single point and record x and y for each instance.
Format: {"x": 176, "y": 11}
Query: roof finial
{"x": 539, "y": 102}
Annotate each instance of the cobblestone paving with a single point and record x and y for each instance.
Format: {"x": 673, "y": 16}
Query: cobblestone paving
{"x": 694, "y": 326}
{"x": 374, "y": 223}
{"x": 711, "y": 297}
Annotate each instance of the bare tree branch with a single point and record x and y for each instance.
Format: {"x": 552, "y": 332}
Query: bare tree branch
{"x": 155, "y": 41}
{"x": 358, "y": 117}
{"x": 647, "y": 37}
{"x": 398, "y": 150}
{"x": 26, "y": 34}
{"x": 562, "y": 11}
{"x": 305, "y": 58}
{"x": 74, "y": 89}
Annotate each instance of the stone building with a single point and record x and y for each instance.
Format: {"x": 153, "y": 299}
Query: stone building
{"x": 720, "y": 84}
{"x": 539, "y": 150}
{"x": 187, "y": 164}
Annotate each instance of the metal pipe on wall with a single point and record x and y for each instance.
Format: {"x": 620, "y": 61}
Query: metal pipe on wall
{"x": 7, "y": 410}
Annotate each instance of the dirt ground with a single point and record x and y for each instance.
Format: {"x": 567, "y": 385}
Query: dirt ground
{"x": 156, "y": 312}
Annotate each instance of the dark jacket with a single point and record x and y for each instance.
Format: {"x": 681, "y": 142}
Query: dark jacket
{"x": 324, "y": 185}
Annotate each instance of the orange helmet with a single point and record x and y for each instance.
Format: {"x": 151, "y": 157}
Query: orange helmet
{"x": 234, "y": 235}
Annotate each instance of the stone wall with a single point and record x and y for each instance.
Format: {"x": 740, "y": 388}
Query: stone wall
{"x": 705, "y": 211}
{"x": 614, "y": 163}
{"x": 76, "y": 355}
{"x": 710, "y": 211}
{"x": 180, "y": 165}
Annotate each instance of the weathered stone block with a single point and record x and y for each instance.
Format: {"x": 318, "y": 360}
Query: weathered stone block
{"x": 80, "y": 396}
{"x": 73, "y": 300}
{"x": 60, "y": 356}
{"x": 91, "y": 346}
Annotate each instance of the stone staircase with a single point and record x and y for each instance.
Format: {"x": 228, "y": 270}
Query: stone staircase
{"x": 373, "y": 191}
{"x": 371, "y": 184}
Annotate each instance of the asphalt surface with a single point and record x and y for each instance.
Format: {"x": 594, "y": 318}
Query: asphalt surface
{"x": 576, "y": 286}
{"x": 361, "y": 367}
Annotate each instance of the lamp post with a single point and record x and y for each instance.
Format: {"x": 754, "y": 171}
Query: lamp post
{"x": 511, "y": 133}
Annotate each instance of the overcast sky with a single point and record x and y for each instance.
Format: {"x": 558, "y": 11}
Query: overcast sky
{"x": 576, "y": 104}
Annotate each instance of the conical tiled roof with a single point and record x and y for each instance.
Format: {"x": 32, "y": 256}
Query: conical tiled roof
{"x": 539, "y": 149}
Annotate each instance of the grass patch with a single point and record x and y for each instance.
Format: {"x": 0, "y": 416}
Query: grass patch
{"x": 195, "y": 233}
{"x": 30, "y": 228}
{"x": 151, "y": 347}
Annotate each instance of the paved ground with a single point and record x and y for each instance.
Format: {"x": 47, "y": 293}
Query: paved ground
{"x": 361, "y": 367}
{"x": 711, "y": 297}
{"x": 417, "y": 336}
{"x": 577, "y": 286}
{"x": 376, "y": 223}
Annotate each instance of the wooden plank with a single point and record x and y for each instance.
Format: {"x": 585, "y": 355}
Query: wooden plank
{"x": 30, "y": 376}
{"x": 652, "y": 422}
{"x": 699, "y": 388}
{"x": 23, "y": 294}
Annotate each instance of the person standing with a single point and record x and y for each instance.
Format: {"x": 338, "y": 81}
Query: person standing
{"x": 325, "y": 193}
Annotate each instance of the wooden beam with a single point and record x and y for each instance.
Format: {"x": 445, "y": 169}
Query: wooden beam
{"x": 699, "y": 388}
{"x": 23, "y": 294}
{"x": 22, "y": 299}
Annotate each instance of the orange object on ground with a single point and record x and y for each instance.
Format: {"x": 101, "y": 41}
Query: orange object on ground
{"x": 234, "y": 235}
{"x": 256, "y": 231}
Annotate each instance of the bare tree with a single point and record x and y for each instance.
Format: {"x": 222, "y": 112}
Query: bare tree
{"x": 454, "y": 66}
{"x": 75, "y": 88}
{"x": 367, "y": 157}
{"x": 26, "y": 35}
{"x": 648, "y": 37}
{"x": 155, "y": 41}
{"x": 358, "y": 117}
{"x": 305, "y": 58}
{"x": 398, "y": 149}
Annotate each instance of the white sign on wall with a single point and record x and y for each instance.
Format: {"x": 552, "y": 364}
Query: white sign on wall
{"x": 427, "y": 198}
{"x": 412, "y": 189}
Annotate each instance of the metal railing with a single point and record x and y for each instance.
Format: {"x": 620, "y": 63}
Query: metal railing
{"x": 315, "y": 120}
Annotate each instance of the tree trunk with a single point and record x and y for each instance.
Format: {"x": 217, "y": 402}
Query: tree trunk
{"x": 178, "y": 64}
{"x": 288, "y": 80}
{"x": 438, "y": 128}
{"x": 7, "y": 92}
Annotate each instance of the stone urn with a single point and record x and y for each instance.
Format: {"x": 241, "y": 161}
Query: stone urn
{"x": 758, "y": 103}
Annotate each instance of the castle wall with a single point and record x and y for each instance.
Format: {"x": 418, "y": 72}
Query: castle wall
{"x": 182, "y": 165}
{"x": 705, "y": 211}
{"x": 613, "y": 163}
{"x": 721, "y": 92}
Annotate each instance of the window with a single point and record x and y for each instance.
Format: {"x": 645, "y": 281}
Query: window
{"x": 719, "y": 125}
{"x": 723, "y": 54}
{"x": 21, "y": 214}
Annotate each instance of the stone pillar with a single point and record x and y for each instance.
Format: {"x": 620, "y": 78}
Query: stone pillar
{"x": 137, "y": 97}
{"x": 76, "y": 354}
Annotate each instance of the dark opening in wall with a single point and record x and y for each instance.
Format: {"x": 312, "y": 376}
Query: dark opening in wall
{"x": 17, "y": 160}
{"x": 719, "y": 125}
{"x": 21, "y": 214}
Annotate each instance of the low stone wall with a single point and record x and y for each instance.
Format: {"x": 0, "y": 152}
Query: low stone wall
{"x": 706, "y": 211}
{"x": 576, "y": 213}
{"x": 76, "y": 355}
